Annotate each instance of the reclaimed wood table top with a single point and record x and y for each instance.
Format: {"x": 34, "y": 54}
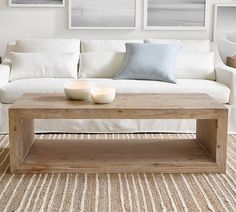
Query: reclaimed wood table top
{"x": 122, "y": 101}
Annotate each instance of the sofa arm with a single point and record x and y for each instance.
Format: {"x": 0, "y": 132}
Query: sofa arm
{"x": 225, "y": 75}
{"x": 4, "y": 74}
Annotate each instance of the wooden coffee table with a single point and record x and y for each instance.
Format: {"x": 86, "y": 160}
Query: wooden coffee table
{"x": 206, "y": 153}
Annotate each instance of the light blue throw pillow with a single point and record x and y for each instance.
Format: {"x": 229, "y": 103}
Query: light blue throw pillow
{"x": 150, "y": 62}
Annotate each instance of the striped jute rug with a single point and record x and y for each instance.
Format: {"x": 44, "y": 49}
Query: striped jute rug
{"x": 118, "y": 192}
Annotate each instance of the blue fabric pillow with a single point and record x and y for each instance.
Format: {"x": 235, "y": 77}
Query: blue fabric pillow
{"x": 150, "y": 62}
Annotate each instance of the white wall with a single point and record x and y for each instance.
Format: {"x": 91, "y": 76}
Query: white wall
{"x": 18, "y": 23}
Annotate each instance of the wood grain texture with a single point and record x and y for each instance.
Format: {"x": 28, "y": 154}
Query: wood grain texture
{"x": 207, "y": 134}
{"x": 21, "y": 138}
{"x": 206, "y": 154}
{"x": 117, "y": 156}
{"x": 212, "y": 135}
{"x": 221, "y": 140}
{"x": 122, "y": 101}
{"x": 125, "y": 106}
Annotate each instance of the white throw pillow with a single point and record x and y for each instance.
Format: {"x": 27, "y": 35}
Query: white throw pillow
{"x": 106, "y": 45}
{"x": 10, "y": 48}
{"x": 100, "y": 64}
{"x": 48, "y": 45}
{"x": 195, "y": 66}
{"x": 43, "y": 65}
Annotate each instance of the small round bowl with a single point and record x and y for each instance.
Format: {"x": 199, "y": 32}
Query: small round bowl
{"x": 78, "y": 89}
{"x": 103, "y": 95}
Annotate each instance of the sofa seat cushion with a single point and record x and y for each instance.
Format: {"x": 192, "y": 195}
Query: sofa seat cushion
{"x": 14, "y": 90}
{"x": 215, "y": 89}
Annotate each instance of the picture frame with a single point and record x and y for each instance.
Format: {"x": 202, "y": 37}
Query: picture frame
{"x": 13, "y": 3}
{"x": 224, "y": 32}
{"x": 216, "y": 9}
{"x": 177, "y": 26}
{"x": 105, "y": 26}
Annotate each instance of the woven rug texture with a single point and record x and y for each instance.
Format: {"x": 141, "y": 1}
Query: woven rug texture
{"x": 117, "y": 192}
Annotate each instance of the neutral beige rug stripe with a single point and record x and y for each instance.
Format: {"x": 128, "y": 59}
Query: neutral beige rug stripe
{"x": 117, "y": 192}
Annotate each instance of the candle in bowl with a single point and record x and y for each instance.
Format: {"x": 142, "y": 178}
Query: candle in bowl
{"x": 78, "y": 89}
{"x": 103, "y": 95}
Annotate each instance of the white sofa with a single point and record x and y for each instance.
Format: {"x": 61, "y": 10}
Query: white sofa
{"x": 221, "y": 85}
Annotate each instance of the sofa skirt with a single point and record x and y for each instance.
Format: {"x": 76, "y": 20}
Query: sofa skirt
{"x": 113, "y": 126}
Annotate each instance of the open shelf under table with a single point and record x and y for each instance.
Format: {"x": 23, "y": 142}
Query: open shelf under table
{"x": 133, "y": 155}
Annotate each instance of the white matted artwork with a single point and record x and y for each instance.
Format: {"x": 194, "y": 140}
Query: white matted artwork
{"x": 175, "y": 14}
{"x": 225, "y": 29}
{"x": 102, "y": 14}
{"x": 37, "y": 3}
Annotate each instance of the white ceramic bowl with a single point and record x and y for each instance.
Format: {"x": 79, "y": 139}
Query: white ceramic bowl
{"x": 103, "y": 95}
{"x": 78, "y": 89}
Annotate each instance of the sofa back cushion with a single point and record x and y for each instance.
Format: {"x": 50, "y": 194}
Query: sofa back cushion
{"x": 195, "y": 66}
{"x": 48, "y": 45}
{"x": 100, "y": 64}
{"x": 196, "y": 46}
{"x": 196, "y": 61}
{"x": 102, "y": 58}
{"x": 105, "y": 65}
{"x": 164, "y": 41}
{"x": 43, "y": 65}
{"x": 106, "y": 45}
{"x": 189, "y": 46}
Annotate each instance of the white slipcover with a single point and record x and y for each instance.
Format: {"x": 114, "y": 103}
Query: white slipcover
{"x": 100, "y": 64}
{"x": 164, "y": 41}
{"x": 189, "y": 46}
{"x": 102, "y": 58}
{"x": 106, "y": 45}
{"x": 42, "y": 65}
{"x": 14, "y": 90}
{"x": 48, "y": 45}
{"x": 107, "y": 65}
{"x": 195, "y": 66}
{"x": 4, "y": 74}
{"x": 41, "y": 45}
{"x": 223, "y": 89}
{"x": 196, "y": 46}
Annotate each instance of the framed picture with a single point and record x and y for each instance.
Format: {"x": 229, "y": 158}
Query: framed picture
{"x": 102, "y": 14}
{"x": 175, "y": 14}
{"x": 224, "y": 32}
{"x": 37, "y": 3}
